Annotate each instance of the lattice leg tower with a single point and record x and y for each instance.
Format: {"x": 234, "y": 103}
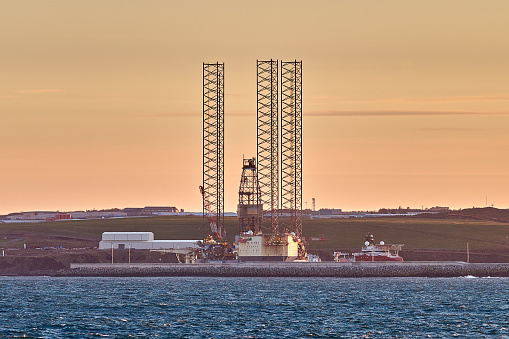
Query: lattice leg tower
{"x": 267, "y": 140}
{"x": 291, "y": 145}
{"x": 213, "y": 148}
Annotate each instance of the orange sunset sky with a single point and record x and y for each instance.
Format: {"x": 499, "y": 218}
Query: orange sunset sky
{"x": 405, "y": 103}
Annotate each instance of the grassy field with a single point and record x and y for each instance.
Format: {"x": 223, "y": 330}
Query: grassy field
{"x": 412, "y": 232}
{"x": 341, "y": 233}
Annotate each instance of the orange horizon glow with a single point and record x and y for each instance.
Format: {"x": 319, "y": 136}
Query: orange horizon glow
{"x": 404, "y": 103}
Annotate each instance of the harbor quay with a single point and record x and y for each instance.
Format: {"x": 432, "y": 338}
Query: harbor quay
{"x": 291, "y": 269}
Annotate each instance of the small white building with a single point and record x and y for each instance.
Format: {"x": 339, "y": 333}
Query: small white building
{"x": 141, "y": 241}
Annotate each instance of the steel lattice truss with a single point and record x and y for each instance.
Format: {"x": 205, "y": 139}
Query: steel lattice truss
{"x": 213, "y": 147}
{"x": 267, "y": 137}
{"x": 291, "y": 145}
{"x": 249, "y": 209}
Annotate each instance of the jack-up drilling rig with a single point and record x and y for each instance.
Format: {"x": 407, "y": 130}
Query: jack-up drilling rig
{"x": 270, "y": 192}
{"x": 279, "y": 174}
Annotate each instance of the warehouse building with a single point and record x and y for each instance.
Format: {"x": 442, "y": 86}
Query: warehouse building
{"x": 141, "y": 241}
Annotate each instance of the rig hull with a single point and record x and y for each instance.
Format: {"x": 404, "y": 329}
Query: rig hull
{"x": 267, "y": 248}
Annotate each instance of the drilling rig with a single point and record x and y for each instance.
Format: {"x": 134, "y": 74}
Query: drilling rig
{"x": 279, "y": 166}
{"x": 270, "y": 192}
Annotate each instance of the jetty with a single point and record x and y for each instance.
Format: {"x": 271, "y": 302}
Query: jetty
{"x": 290, "y": 269}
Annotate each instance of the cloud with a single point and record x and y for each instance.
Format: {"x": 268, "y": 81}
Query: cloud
{"x": 395, "y": 113}
{"x": 437, "y": 99}
{"x": 39, "y": 91}
{"x": 447, "y": 129}
{"x": 470, "y": 98}
{"x": 173, "y": 115}
{"x": 238, "y": 95}
{"x": 325, "y": 114}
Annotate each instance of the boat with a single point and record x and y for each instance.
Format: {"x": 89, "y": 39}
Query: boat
{"x": 372, "y": 252}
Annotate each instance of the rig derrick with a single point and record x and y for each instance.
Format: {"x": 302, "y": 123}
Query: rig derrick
{"x": 249, "y": 208}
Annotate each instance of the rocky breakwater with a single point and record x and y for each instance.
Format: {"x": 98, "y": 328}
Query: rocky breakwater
{"x": 281, "y": 269}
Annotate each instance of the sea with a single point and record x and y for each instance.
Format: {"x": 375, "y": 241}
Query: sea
{"x": 201, "y": 307}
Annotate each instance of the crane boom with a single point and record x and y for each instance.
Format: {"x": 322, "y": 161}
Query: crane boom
{"x": 217, "y": 234}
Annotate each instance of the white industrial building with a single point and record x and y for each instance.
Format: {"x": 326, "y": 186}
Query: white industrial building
{"x": 141, "y": 241}
{"x": 260, "y": 248}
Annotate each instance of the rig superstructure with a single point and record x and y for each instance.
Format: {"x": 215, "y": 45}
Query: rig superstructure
{"x": 270, "y": 191}
{"x": 279, "y": 154}
{"x": 249, "y": 208}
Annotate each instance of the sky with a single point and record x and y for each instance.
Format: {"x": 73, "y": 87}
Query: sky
{"x": 405, "y": 103}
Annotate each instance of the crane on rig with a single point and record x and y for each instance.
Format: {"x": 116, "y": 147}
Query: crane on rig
{"x": 218, "y": 231}
{"x": 215, "y": 246}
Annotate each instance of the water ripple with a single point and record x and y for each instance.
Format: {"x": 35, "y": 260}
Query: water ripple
{"x": 190, "y": 307}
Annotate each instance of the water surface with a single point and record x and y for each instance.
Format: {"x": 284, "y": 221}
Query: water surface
{"x": 198, "y": 307}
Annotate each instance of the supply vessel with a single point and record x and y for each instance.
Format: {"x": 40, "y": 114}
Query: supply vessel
{"x": 372, "y": 252}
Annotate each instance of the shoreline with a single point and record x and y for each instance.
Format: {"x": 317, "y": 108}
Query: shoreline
{"x": 322, "y": 269}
